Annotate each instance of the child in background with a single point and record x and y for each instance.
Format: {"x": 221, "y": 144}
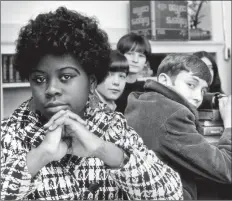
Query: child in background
{"x": 137, "y": 50}
{"x": 215, "y": 84}
{"x": 111, "y": 88}
{"x": 166, "y": 118}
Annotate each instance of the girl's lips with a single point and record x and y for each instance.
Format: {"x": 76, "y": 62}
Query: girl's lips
{"x": 115, "y": 90}
{"x": 53, "y": 104}
{"x": 56, "y": 108}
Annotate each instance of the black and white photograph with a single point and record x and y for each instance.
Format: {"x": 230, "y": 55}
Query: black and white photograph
{"x": 116, "y": 100}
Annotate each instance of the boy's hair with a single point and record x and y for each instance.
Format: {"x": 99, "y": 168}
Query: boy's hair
{"x": 216, "y": 84}
{"x": 118, "y": 63}
{"x": 60, "y": 33}
{"x": 172, "y": 64}
{"x": 134, "y": 42}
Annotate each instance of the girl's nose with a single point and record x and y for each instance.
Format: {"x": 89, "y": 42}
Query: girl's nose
{"x": 116, "y": 80}
{"x": 53, "y": 88}
{"x": 135, "y": 57}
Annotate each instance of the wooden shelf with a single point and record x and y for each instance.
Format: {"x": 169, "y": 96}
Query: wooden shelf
{"x": 15, "y": 85}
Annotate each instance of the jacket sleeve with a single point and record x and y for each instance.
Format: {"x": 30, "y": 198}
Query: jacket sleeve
{"x": 16, "y": 181}
{"x": 183, "y": 144}
{"x": 144, "y": 176}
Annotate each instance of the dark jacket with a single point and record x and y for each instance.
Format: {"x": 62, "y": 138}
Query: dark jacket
{"x": 168, "y": 124}
{"x": 121, "y": 102}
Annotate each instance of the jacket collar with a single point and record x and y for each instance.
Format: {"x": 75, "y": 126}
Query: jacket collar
{"x": 152, "y": 85}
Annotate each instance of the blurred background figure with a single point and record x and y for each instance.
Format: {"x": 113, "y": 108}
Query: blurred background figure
{"x": 215, "y": 85}
{"x": 137, "y": 50}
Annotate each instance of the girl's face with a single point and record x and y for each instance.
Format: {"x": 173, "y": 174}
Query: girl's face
{"x": 59, "y": 83}
{"x": 210, "y": 66}
{"x": 113, "y": 85}
{"x": 136, "y": 61}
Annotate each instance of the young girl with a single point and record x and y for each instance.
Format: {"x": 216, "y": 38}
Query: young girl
{"x": 109, "y": 90}
{"x": 137, "y": 50}
{"x": 55, "y": 146}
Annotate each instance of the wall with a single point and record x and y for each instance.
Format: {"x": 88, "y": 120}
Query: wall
{"x": 217, "y": 28}
{"x": 227, "y": 20}
{"x": 112, "y": 15}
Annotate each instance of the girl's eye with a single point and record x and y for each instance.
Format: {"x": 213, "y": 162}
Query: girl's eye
{"x": 141, "y": 55}
{"x": 122, "y": 76}
{"x": 39, "y": 79}
{"x": 65, "y": 77}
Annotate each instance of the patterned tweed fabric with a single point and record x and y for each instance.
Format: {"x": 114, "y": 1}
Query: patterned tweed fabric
{"x": 144, "y": 176}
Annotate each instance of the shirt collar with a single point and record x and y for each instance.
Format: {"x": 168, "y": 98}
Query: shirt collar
{"x": 110, "y": 105}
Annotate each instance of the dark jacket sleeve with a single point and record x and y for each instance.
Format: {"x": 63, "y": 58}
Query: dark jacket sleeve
{"x": 121, "y": 102}
{"x": 183, "y": 144}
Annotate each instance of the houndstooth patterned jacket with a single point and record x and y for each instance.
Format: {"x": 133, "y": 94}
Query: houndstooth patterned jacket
{"x": 144, "y": 176}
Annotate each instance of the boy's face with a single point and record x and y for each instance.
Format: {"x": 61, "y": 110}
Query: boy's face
{"x": 113, "y": 85}
{"x": 136, "y": 61}
{"x": 59, "y": 83}
{"x": 190, "y": 87}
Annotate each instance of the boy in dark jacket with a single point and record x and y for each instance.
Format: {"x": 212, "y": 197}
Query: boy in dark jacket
{"x": 166, "y": 118}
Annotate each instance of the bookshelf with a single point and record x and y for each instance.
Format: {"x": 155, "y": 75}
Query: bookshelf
{"x": 13, "y": 90}
{"x": 10, "y": 77}
{"x": 15, "y": 85}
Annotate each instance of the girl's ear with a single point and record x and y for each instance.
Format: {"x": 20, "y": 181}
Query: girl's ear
{"x": 92, "y": 83}
{"x": 164, "y": 79}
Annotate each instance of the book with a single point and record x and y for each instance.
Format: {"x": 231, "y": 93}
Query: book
{"x": 11, "y": 70}
{"x": 209, "y": 114}
{"x": 213, "y": 130}
{"x": 4, "y": 69}
{"x": 210, "y": 123}
{"x": 17, "y": 77}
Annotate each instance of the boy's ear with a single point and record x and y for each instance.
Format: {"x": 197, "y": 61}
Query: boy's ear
{"x": 164, "y": 79}
{"x": 92, "y": 83}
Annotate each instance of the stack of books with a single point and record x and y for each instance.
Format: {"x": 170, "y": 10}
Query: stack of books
{"x": 9, "y": 74}
{"x": 211, "y": 122}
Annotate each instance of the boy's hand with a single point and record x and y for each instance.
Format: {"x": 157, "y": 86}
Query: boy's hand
{"x": 225, "y": 110}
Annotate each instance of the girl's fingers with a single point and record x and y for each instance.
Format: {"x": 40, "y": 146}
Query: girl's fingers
{"x": 54, "y": 136}
{"x": 62, "y": 118}
{"x": 76, "y": 117}
{"x": 58, "y": 122}
{"x": 54, "y": 118}
{"x": 66, "y": 120}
